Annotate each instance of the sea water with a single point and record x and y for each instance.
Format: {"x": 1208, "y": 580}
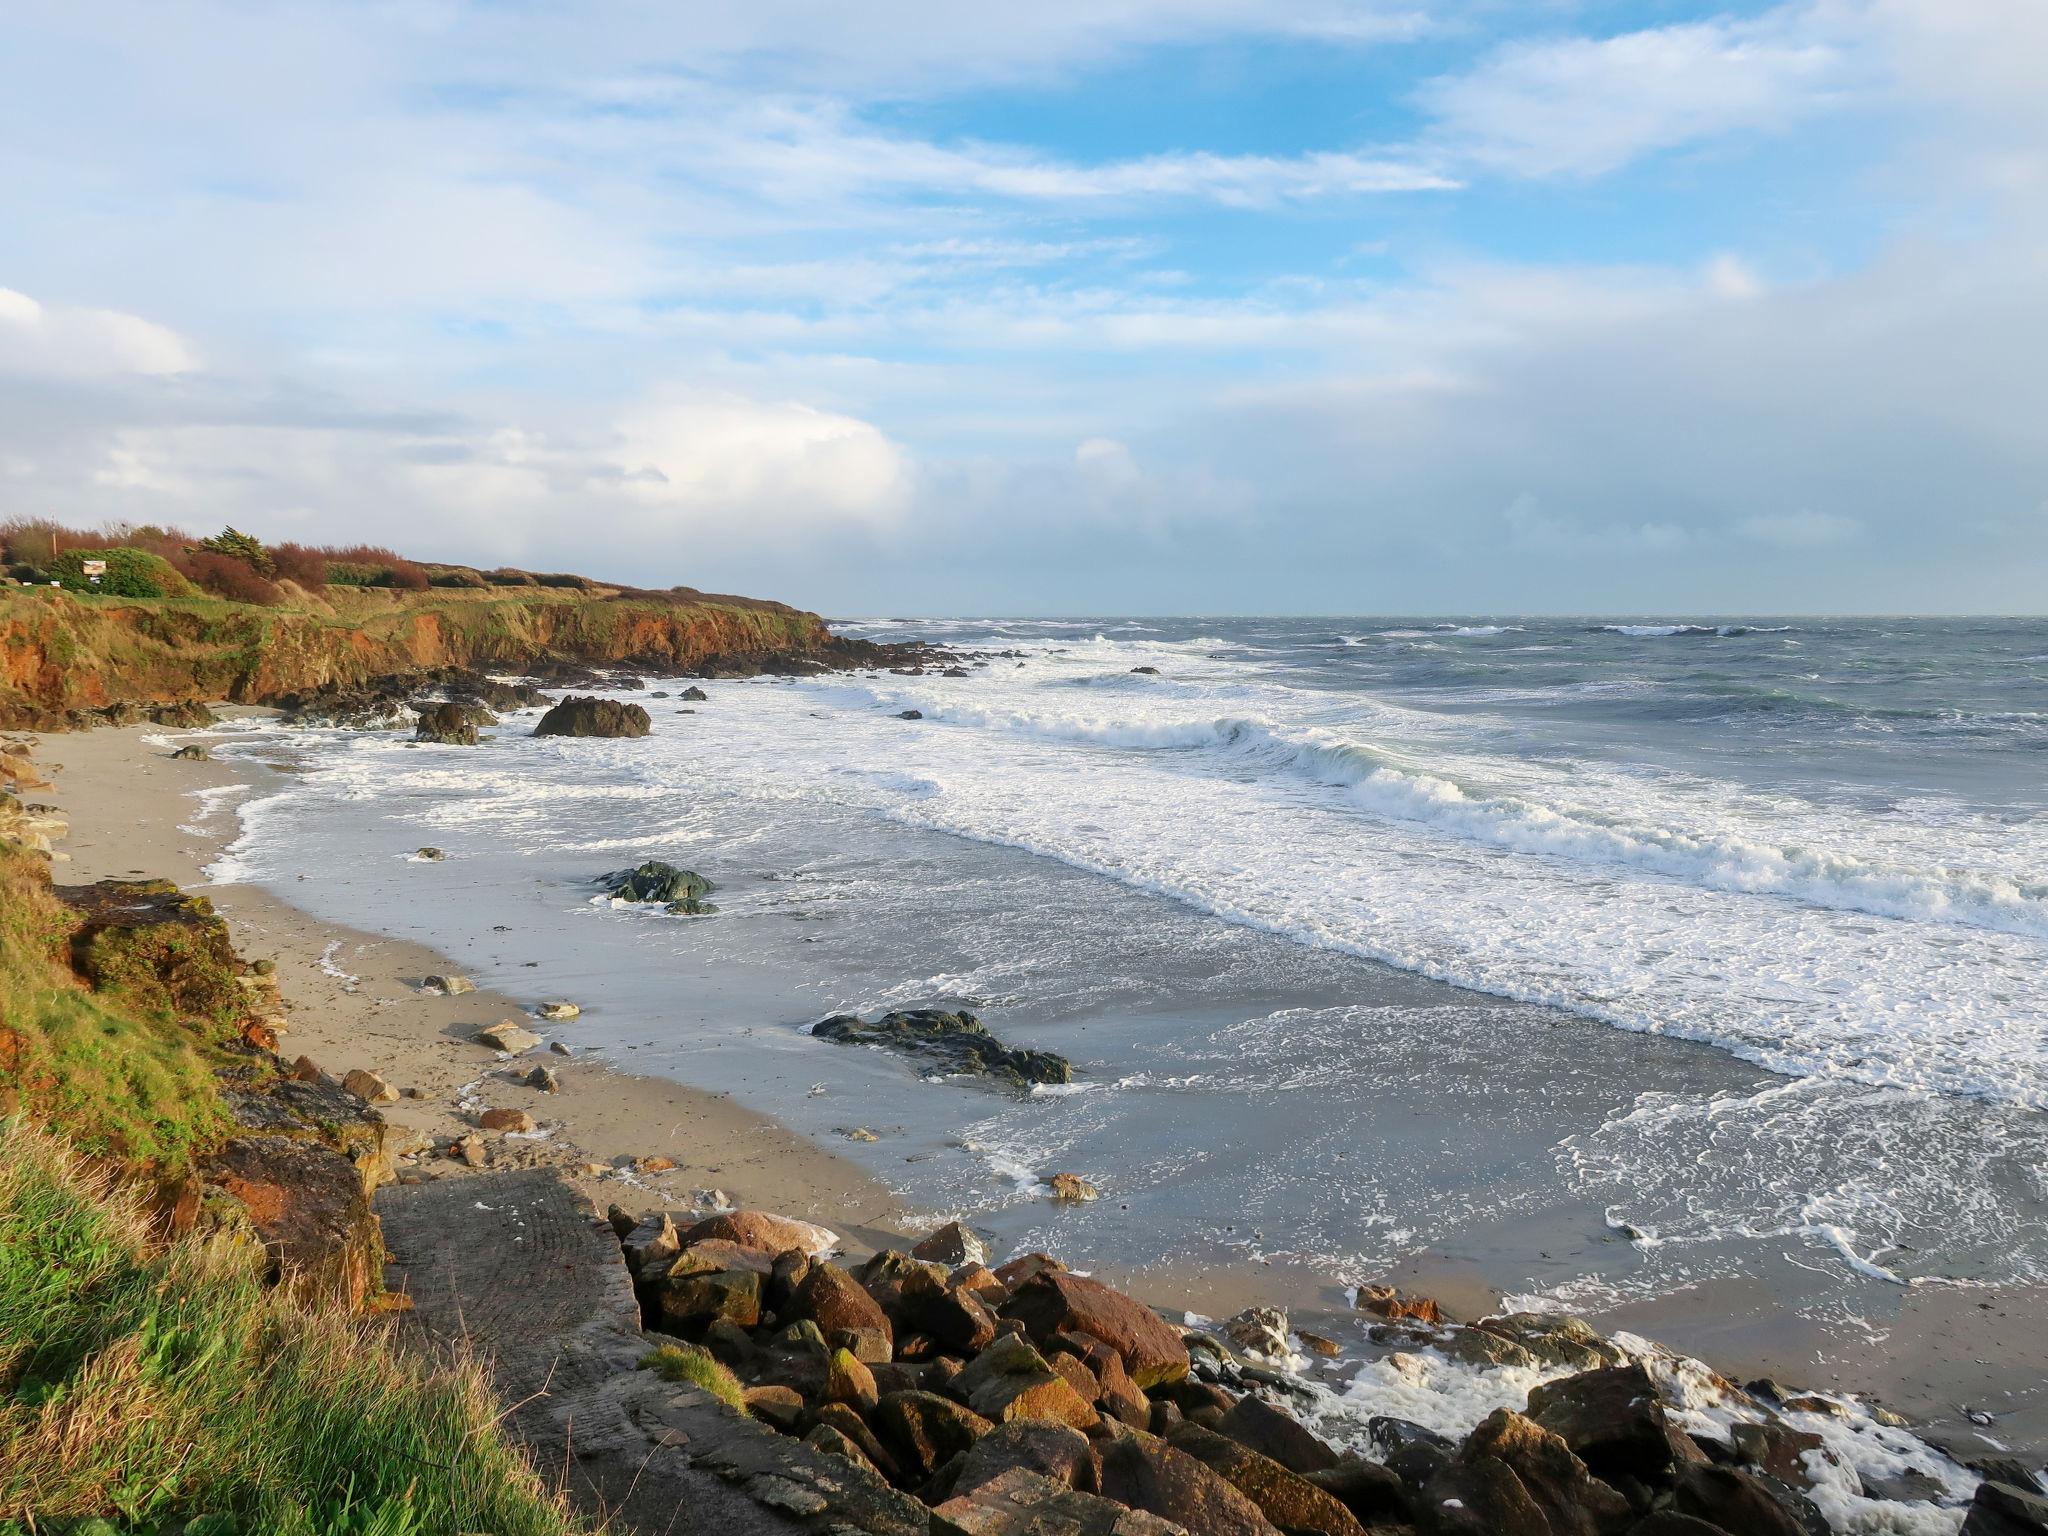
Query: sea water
{"x": 1611, "y": 954}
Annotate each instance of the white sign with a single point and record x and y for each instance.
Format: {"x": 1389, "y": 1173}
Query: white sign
{"x": 94, "y": 568}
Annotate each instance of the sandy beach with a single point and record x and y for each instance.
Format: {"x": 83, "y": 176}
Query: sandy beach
{"x": 355, "y": 1000}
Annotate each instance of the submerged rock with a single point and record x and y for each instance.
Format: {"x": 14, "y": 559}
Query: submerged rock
{"x": 578, "y": 715}
{"x": 956, "y": 1042}
{"x": 694, "y": 695}
{"x": 680, "y": 890}
{"x": 452, "y": 725}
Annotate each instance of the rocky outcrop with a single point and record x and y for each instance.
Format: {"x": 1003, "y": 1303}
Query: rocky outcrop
{"x": 452, "y": 725}
{"x": 679, "y": 890}
{"x": 581, "y": 715}
{"x": 948, "y": 1042}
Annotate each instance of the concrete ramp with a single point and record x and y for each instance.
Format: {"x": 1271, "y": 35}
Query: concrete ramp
{"x": 516, "y": 1265}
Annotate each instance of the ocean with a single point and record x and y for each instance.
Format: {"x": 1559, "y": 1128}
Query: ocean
{"x": 1608, "y": 958}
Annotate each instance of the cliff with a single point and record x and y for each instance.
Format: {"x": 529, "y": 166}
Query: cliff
{"x": 61, "y": 652}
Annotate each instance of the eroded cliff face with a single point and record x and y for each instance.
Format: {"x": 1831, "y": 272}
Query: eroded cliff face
{"x": 61, "y": 653}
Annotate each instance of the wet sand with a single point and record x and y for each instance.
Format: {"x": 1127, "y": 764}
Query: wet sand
{"x": 1951, "y": 1352}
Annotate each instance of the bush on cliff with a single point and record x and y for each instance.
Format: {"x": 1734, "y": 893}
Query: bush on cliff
{"x": 154, "y": 1384}
{"x": 130, "y": 573}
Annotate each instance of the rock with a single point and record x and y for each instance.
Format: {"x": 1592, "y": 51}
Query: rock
{"x": 1385, "y": 1301}
{"x": 1370, "y": 1491}
{"x": 833, "y": 1442}
{"x": 694, "y": 695}
{"x": 758, "y": 1229}
{"x": 1146, "y": 671}
{"x": 508, "y": 1035}
{"x": 870, "y": 1346}
{"x": 783, "y": 1407}
{"x": 309, "y": 1206}
{"x": 1733, "y": 1500}
{"x": 848, "y": 1380}
{"x": 954, "y": 1042}
{"x": 506, "y": 1120}
{"x": 429, "y": 855}
{"x": 1553, "y": 1339}
{"x": 558, "y": 1011}
{"x": 193, "y": 753}
{"x": 858, "y": 1133}
{"x": 2000, "y": 1509}
{"x": 714, "y": 1255}
{"x": 1011, "y": 1380}
{"x": 1776, "y": 1448}
{"x": 1668, "y": 1522}
{"x": 651, "y": 1243}
{"x": 370, "y": 1087}
{"x": 924, "y": 1431}
{"x": 655, "y": 881}
{"x": 543, "y": 1078}
{"x": 1117, "y": 1395}
{"x": 1316, "y": 1344}
{"x": 471, "y": 1149}
{"x": 558, "y": 1048}
{"x": 1512, "y": 1477}
{"x": 952, "y": 1245}
{"x": 834, "y": 1300}
{"x": 187, "y": 715}
{"x": 1478, "y": 1348}
{"x": 447, "y": 725}
{"x": 732, "y": 1294}
{"x": 1146, "y": 1473}
{"x": 958, "y": 1319}
{"x": 1057, "y": 1451}
{"x": 1072, "y": 1189}
{"x": 1052, "y": 1301}
{"x": 579, "y": 715}
{"x": 1613, "y": 1420}
{"x": 448, "y": 986}
{"x": 910, "y": 714}
{"x": 1260, "y": 1331}
{"x": 1287, "y": 1500}
{"x": 654, "y": 1164}
{"x": 1021, "y": 1502}
{"x": 1276, "y": 1435}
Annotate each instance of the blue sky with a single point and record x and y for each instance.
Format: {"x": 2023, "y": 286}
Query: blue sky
{"x": 1133, "y": 305}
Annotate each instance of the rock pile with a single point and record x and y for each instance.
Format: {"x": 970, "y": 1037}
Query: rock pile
{"x": 950, "y": 1042}
{"x": 679, "y": 890}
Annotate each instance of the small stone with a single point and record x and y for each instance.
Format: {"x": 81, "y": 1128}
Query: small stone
{"x": 1259, "y": 1331}
{"x": 1071, "y": 1188}
{"x": 544, "y": 1079}
{"x": 655, "y": 1164}
{"x": 515, "y": 1120}
{"x": 858, "y": 1133}
{"x": 1316, "y": 1344}
{"x": 192, "y": 754}
{"x": 558, "y": 1010}
{"x": 471, "y": 1149}
{"x": 910, "y": 714}
{"x": 448, "y": 986}
{"x": 508, "y": 1035}
{"x": 369, "y": 1086}
{"x": 429, "y": 855}
{"x": 558, "y": 1048}
{"x": 1385, "y": 1301}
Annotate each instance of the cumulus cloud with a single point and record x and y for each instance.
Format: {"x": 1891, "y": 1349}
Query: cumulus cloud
{"x": 62, "y": 340}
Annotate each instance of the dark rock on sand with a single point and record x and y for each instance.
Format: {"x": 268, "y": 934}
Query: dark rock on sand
{"x": 579, "y": 715}
{"x": 680, "y": 890}
{"x": 954, "y": 1042}
{"x": 1613, "y": 1420}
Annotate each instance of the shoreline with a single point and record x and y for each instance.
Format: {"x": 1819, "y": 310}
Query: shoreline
{"x": 133, "y": 813}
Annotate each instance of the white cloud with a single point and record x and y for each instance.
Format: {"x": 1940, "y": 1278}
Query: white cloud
{"x": 1585, "y": 106}
{"x": 64, "y": 341}
{"x": 1804, "y": 529}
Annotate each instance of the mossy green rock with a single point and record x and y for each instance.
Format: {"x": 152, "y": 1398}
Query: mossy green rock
{"x": 656, "y": 881}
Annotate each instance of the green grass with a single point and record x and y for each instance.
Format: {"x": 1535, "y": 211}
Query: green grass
{"x": 693, "y": 1365}
{"x": 153, "y": 1385}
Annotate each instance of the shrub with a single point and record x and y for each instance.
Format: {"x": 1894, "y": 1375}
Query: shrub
{"x": 563, "y": 579}
{"x": 509, "y": 576}
{"x": 455, "y": 576}
{"x": 229, "y": 577}
{"x": 240, "y": 546}
{"x": 300, "y": 563}
{"x": 130, "y": 573}
{"x": 354, "y": 573}
{"x": 405, "y": 576}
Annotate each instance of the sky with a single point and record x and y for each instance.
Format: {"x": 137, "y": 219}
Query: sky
{"x": 1085, "y": 306}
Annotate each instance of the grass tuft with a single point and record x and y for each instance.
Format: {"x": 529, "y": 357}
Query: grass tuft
{"x": 693, "y": 1365}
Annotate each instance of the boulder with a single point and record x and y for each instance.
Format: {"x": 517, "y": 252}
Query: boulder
{"x": 1057, "y": 1451}
{"x": 781, "y": 1407}
{"x": 579, "y": 715}
{"x": 694, "y": 695}
{"x": 1775, "y": 1448}
{"x": 559, "y": 1011}
{"x": 193, "y": 753}
{"x": 1053, "y": 1301}
{"x": 543, "y": 1078}
{"x": 369, "y": 1087}
{"x": 1011, "y": 1380}
{"x": 1146, "y": 1473}
{"x": 1375, "y": 1494}
{"x": 1287, "y": 1500}
{"x": 952, "y": 1245}
{"x": 848, "y": 1380}
{"x": 507, "y": 1035}
{"x": 833, "y": 1442}
{"x": 958, "y": 1319}
{"x": 1072, "y": 1189}
{"x": 759, "y": 1229}
{"x": 1260, "y": 1331}
{"x": 1385, "y": 1301}
{"x": 1277, "y": 1435}
{"x": 680, "y": 890}
{"x": 924, "y": 1431}
{"x": 447, "y": 986}
{"x": 651, "y": 1243}
{"x": 834, "y": 1300}
{"x": 1613, "y": 1420}
{"x": 842, "y": 1417}
{"x": 2000, "y": 1509}
{"x": 1553, "y": 1339}
{"x": 447, "y": 725}
{"x": 949, "y": 1042}
{"x": 732, "y": 1294}
{"x": 1021, "y": 1502}
{"x": 870, "y": 1346}
{"x": 713, "y": 1254}
{"x": 309, "y": 1206}
{"x": 1737, "y": 1500}
{"x": 1512, "y": 1477}
{"x": 516, "y": 1121}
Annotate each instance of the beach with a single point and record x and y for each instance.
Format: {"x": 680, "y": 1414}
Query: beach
{"x": 731, "y": 1049}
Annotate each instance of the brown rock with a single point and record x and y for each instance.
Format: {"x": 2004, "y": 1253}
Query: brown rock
{"x": 833, "y": 1442}
{"x": 368, "y": 1086}
{"x": 759, "y": 1229}
{"x": 1146, "y": 1473}
{"x": 1288, "y": 1501}
{"x": 733, "y": 1294}
{"x": 1118, "y": 1395}
{"x": 502, "y": 1120}
{"x": 309, "y": 1206}
{"x": 1052, "y": 1302}
{"x": 924, "y": 1431}
{"x": 848, "y": 1380}
{"x": 1023, "y": 1503}
{"x": 842, "y": 1418}
{"x": 1385, "y": 1301}
{"x": 1512, "y": 1477}
{"x": 952, "y": 1245}
{"x": 978, "y": 1278}
{"x": 870, "y": 1346}
{"x": 1025, "y": 1266}
{"x": 959, "y": 1319}
{"x": 782, "y": 1407}
{"x": 1613, "y": 1420}
{"x": 1730, "y": 1498}
{"x": 1056, "y": 1451}
{"x": 714, "y": 1254}
{"x": 1071, "y": 1188}
{"x": 471, "y": 1149}
{"x": 655, "y": 1164}
{"x": 1777, "y": 1449}
{"x": 648, "y": 1243}
{"x": 1011, "y": 1380}
{"x": 833, "y": 1299}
